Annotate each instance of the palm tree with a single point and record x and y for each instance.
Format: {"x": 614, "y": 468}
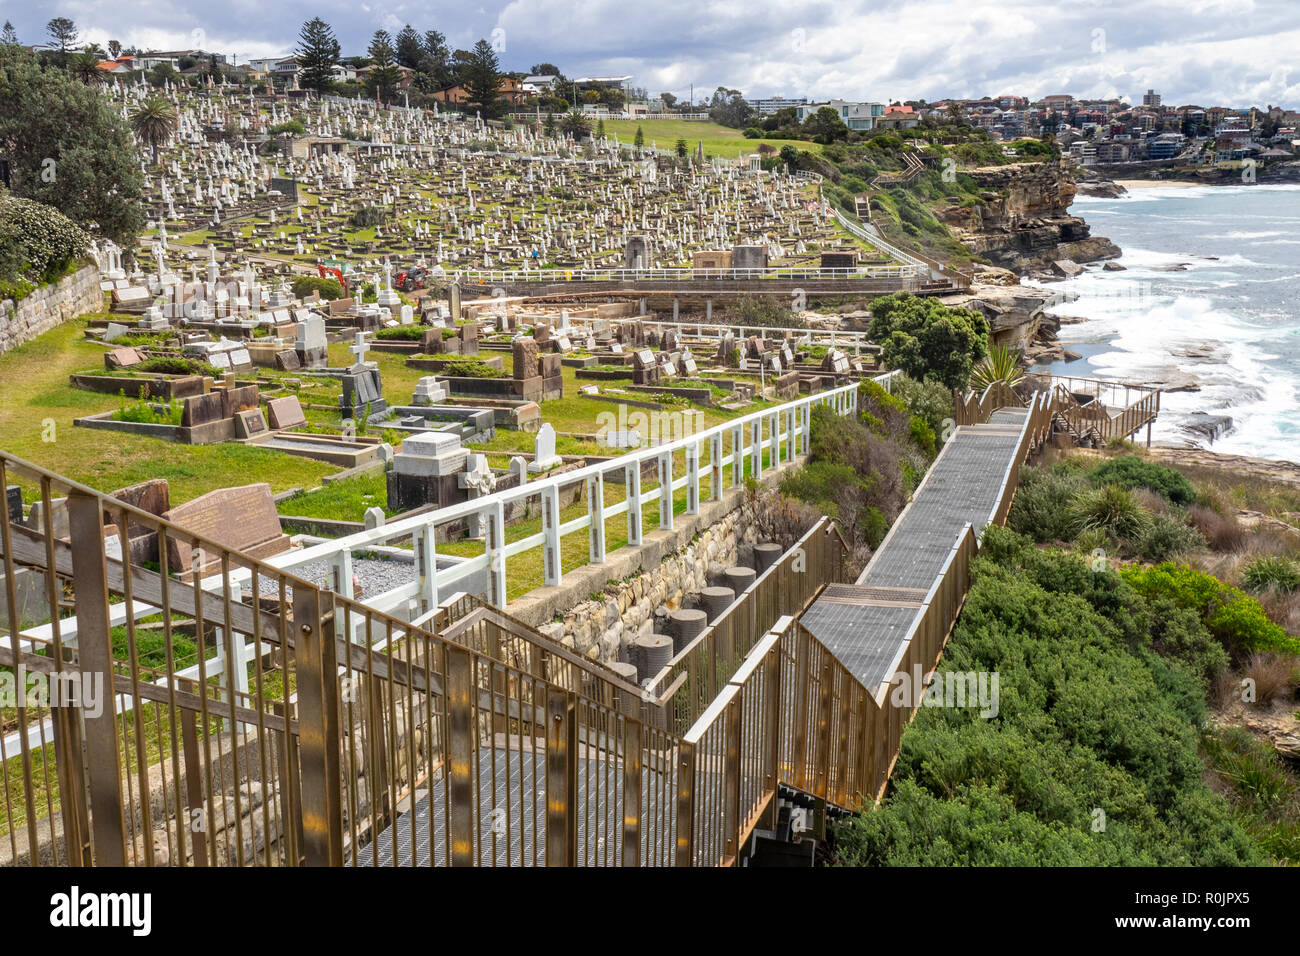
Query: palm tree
{"x": 1002, "y": 364}
{"x": 85, "y": 67}
{"x": 575, "y": 124}
{"x": 153, "y": 122}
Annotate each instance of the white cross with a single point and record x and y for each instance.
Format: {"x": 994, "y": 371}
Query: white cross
{"x": 360, "y": 348}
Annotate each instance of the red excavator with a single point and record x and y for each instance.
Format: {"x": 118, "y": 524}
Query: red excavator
{"x": 335, "y": 269}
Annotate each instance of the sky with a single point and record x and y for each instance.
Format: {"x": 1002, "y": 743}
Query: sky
{"x": 1210, "y": 52}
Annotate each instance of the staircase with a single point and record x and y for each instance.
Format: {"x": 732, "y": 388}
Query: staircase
{"x": 913, "y": 168}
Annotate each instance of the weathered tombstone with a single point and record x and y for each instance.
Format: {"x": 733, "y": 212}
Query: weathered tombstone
{"x": 544, "y": 457}
{"x": 311, "y": 344}
{"x": 250, "y": 423}
{"x": 285, "y": 412}
{"x": 242, "y": 519}
{"x": 374, "y": 518}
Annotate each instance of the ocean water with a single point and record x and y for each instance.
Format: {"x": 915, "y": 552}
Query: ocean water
{"x": 1210, "y": 297}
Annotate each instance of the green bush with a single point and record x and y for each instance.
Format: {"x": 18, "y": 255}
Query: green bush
{"x": 1132, "y": 472}
{"x": 329, "y": 288}
{"x": 1234, "y": 617}
{"x": 1111, "y": 509}
{"x": 470, "y": 369}
{"x": 175, "y": 365}
{"x": 930, "y": 399}
{"x": 404, "y": 333}
{"x": 1166, "y": 538}
{"x": 1271, "y": 571}
{"x": 1087, "y": 719}
{"x": 37, "y": 243}
{"x": 1041, "y": 507}
{"x": 925, "y": 338}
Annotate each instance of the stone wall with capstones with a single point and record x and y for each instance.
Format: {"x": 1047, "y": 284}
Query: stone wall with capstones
{"x": 48, "y": 306}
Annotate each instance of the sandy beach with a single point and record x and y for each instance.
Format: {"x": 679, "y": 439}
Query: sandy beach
{"x": 1154, "y": 183}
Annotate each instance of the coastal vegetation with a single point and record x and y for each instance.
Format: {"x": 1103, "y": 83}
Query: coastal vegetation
{"x": 1137, "y": 626}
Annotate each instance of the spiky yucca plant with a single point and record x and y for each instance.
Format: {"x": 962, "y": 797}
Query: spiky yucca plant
{"x": 1002, "y": 364}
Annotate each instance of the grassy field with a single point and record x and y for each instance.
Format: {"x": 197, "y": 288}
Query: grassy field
{"x": 718, "y": 140}
{"x": 36, "y": 395}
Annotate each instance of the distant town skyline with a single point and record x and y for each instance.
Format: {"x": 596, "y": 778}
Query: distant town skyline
{"x": 1232, "y": 53}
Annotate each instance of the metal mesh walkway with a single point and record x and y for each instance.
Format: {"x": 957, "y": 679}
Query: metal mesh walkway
{"x": 865, "y": 624}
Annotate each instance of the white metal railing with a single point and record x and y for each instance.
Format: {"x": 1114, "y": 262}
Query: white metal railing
{"x": 686, "y": 274}
{"x": 709, "y": 329}
{"x": 781, "y": 431}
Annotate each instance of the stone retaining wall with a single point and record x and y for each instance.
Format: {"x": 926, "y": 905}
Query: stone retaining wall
{"x": 601, "y": 629}
{"x": 48, "y": 306}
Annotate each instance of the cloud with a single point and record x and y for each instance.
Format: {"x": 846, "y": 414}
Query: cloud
{"x": 1235, "y": 52}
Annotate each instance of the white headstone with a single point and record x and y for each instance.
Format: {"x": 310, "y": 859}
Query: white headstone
{"x": 544, "y": 457}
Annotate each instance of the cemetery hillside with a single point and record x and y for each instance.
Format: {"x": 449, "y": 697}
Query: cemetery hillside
{"x": 437, "y": 459}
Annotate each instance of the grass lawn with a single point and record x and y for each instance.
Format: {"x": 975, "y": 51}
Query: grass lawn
{"x": 36, "y": 393}
{"x": 718, "y": 140}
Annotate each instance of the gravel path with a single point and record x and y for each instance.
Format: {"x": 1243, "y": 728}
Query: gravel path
{"x": 372, "y": 576}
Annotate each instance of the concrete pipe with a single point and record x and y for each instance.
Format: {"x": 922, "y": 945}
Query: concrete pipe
{"x": 715, "y": 601}
{"x": 738, "y": 579}
{"x": 766, "y": 555}
{"x": 686, "y": 626}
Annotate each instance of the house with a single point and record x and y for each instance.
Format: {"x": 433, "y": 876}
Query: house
{"x": 511, "y": 90}
{"x": 856, "y": 116}
{"x": 538, "y": 84}
{"x": 899, "y": 117}
{"x": 405, "y": 77}
{"x": 120, "y": 66}
{"x": 773, "y": 104}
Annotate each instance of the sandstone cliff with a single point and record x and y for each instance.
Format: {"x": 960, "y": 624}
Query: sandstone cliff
{"x": 1023, "y": 222}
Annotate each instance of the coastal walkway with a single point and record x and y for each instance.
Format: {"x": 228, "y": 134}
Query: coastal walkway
{"x": 255, "y": 718}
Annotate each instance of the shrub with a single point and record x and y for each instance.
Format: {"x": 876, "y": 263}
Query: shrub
{"x": 1235, "y": 618}
{"x": 1273, "y": 675}
{"x": 930, "y": 399}
{"x": 1223, "y": 532}
{"x": 1166, "y": 538}
{"x": 1111, "y": 509}
{"x": 405, "y": 333}
{"x": 1093, "y": 724}
{"x": 367, "y": 217}
{"x": 1041, "y": 507}
{"x": 1271, "y": 572}
{"x": 1132, "y": 472}
{"x": 176, "y": 365}
{"x": 329, "y": 288}
{"x": 37, "y": 242}
{"x": 924, "y": 338}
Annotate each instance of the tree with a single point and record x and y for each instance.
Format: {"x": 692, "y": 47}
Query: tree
{"x": 639, "y": 140}
{"x": 482, "y": 78}
{"x": 728, "y": 108}
{"x": 410, "y": 48}
{"x": 790, "y": 156}
{"x": 114, "y": 49}
{"x": 63, "y": 34}
{"x": 682, "y": 149}
{"x": 668, "y": 99}
{"x": 69, "y": 148}
{"x": 600, "y": 129}
{"x": 546, "y": 69}
{"x": 575, "y": 124}
{"x": 549, "y": 126}
{"x": 925, "y": 338}
{"x": 10, "y": 35}
{"x": 825, "y": 126}
{"x": 154, "y": 122}
{"x": 383, "y": 75}
{"x": 85, "y": 67}
{"x": 437, "y": 59}
{"x": 318, "y": 54}
{"x": 955, "y": 113}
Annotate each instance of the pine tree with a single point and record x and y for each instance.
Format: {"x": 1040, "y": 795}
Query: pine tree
{"x": 318, "y": 52}
{"x": 600, "y": 129}
{"x": 482, "y": 78}
{"x": 63, "y": 34}
{"x": 383, "y": 74}
{"x": 639, "y": 140}
{"x": 436, "y": 56}
{"x": 410, "y": 51}
{"x": 10, "y": 35}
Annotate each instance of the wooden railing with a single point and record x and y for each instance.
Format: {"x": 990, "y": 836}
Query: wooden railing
{"x": 285, "y": 724}
{"x": 701, "y": 670}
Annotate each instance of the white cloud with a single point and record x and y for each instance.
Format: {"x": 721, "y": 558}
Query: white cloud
{"x": 1237, "y": 52}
